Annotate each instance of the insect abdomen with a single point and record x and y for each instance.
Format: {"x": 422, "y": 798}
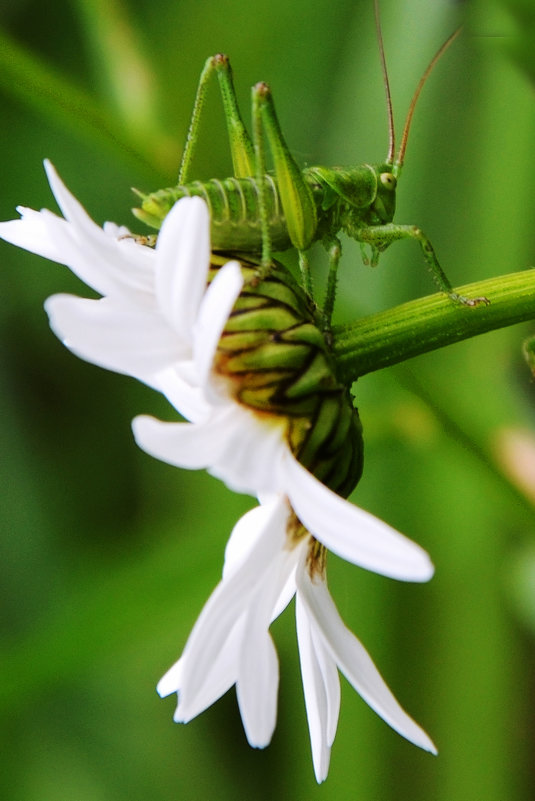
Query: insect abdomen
{"x": 234, "y": 211}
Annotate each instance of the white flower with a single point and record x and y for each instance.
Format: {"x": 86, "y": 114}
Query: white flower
{"x": 143, "y": 324}
{"x": 158, "y": 322}
{"x": 230, "y": 642}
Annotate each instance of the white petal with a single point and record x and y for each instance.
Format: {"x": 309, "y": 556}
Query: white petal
{"x": 286, "y": 594}
{"x": 220, "y": 676}
{"x": 103, "y": 262}
{"x": 183, "y": 260}
{"x": 111, "y": 266}
{"x": 258, "y": 683}
{"x": 214, "y": 312}
{"x": 31, "y": 233}
{"x": 171, "y": 680}
{"x": 228, "y": 602}
{"x": 72, "y": 210}
{"x": 192, "y": 446}
{"x": 355, "y": 662}
{"x": 117, "y": 231}
{"x": 259, "y": 672}
{"x": 244, "y": 537}
{"x": 351, "y": 532}
{"x": 178, "y": 383}
{"x": 331, "y": 681}
{"x": 233, "y": 445}
{"x": 316, "y": 701}
{"x": 248, "y": 530}
{"x": 254, "y": 449}
{"x": 121, "y": 337}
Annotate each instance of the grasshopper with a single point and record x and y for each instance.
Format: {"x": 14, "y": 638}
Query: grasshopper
{"x": 258, "y": 212}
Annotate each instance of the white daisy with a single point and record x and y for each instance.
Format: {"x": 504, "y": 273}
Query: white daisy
{"x": 157, "y": 321}
{"x": 267, "y": 561}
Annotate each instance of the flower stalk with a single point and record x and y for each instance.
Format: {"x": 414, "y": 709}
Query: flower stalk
{"x": 392, "y": 336}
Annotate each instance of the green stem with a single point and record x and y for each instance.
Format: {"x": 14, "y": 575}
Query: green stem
{"x": 389, "y": 337}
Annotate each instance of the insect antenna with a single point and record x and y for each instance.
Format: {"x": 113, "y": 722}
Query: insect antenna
{"x": 386, "y": 82}
{"x": 403, "y": 146}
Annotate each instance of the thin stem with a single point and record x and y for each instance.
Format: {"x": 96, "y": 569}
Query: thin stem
{"x": 389, "y": 337}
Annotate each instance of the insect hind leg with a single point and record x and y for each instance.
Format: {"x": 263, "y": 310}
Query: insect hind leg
{"x": 241, "y": 146}
{"x": 296, "y": 197}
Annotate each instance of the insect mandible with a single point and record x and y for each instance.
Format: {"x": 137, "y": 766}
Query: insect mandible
{"x": 258, "y": 212}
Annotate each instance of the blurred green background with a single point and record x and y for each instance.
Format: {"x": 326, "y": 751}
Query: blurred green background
{"x": 107, "y": 555}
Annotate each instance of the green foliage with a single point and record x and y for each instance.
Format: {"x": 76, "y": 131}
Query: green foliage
{"x": 107, "y": 555}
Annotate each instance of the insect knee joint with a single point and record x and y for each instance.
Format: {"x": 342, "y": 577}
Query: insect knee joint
{"x": 261, "y": 89}
{"x": 220, "y": 60}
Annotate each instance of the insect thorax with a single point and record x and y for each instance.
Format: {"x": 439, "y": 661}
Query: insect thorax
{"x": 350, "y": 198}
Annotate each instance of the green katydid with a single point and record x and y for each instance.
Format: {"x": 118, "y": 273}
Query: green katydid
{"x": 258, "y": 212}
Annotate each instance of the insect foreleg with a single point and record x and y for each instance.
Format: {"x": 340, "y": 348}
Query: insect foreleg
{"x": 379, "y": 237}
{"x": 241, "y": 147}
{"x": 334, "y": 250}
{"x": 296, "y": 197}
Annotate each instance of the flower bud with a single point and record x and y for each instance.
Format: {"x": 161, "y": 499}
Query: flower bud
{"x": 276, "y": 361}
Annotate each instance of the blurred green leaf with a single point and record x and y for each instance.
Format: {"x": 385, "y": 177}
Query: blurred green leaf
{"x": 125, "y": 73}
{"x": 520, "y": 583}
{"x": 519, "y": 45}
{"x": 528, "y": 349}
{"x": 33, "y": 82}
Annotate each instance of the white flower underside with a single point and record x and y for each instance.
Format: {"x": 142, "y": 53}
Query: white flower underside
{"x": 230, "y": 642}
{"x": 157, "y": 321}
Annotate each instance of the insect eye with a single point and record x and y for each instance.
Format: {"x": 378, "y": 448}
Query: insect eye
{"x": 388, "y": 180}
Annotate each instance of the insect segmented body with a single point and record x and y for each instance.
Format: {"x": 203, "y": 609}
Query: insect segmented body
{"x": 345, "y": 199}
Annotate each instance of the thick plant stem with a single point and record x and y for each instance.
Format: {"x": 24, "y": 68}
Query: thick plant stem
{"x": 389, "y": 337}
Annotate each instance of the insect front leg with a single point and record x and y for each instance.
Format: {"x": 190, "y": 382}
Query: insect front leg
{"x": 241, "y": 147}
{"x": 379, "y": 237}
{"x": 334, "y": 249}
{"x": 296, "y": 197}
